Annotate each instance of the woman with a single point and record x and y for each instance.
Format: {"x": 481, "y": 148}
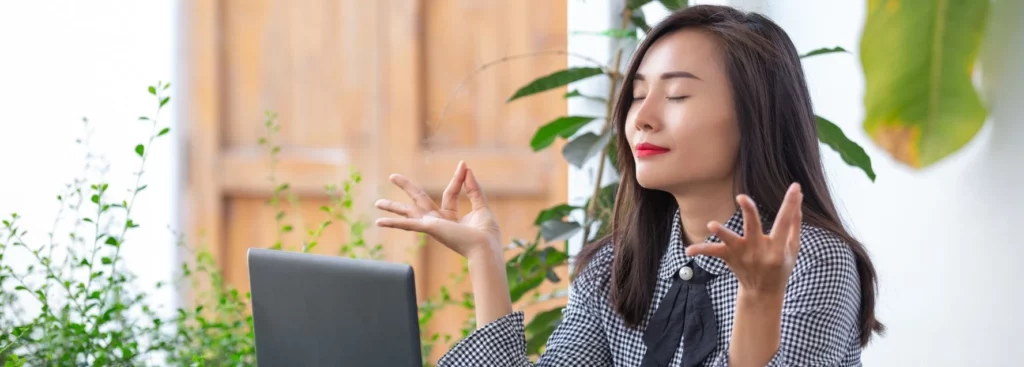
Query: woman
{"x": 721, "y": 188}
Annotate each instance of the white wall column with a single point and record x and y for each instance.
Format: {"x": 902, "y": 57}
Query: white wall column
{"x": 591, "y": 16}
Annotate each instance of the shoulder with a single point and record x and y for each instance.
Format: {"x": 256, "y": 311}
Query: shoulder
{"x": 822, "y": 245}
{"x": 824, "y": 252}
{"x": 825, "y": 284}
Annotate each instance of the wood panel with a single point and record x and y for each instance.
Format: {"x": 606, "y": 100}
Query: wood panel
{"x": 361, "y": 85}
{"x": 479, "y": 126}
{"x": 203, "y": 206}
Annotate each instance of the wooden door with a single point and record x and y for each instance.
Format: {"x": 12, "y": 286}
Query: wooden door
{"x": 362, "y": 84}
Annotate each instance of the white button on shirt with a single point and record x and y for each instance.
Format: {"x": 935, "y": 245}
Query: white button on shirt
{"x": 686, "y": 273}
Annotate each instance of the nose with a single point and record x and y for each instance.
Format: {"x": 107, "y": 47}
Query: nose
{"x": 646, "y": 119}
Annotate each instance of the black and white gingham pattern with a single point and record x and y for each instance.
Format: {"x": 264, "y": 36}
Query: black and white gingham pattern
{"x": 819, "y": 316}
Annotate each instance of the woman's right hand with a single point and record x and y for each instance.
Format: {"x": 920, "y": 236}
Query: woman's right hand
{"x": 476, "y": 234}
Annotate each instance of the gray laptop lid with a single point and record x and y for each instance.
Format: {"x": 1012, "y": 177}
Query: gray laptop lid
{"x": 316, "y": 310}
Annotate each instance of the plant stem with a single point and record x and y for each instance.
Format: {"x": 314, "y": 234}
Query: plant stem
{"x": 589, "y": 213}
{"x": 21, "y": 281}
{"x": 49, "y": 271}
{"x": 275, "y": 199}
{"x": 120, "y": 239}
{"x": 17, "y": 338}
{"x": 135, "y": 191}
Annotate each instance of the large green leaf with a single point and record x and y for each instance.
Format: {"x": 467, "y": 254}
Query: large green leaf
{"x": 852, "y": 154}
{"x": 528, "y": 270}
{"x": 556, "y": 230}
{"x": 564, "y": 126}
{"x": 552, "y": 257}
{"x": 918, "y": 57}
{"x": 519, "y": 289}
{"x": 583, "y": 147}
{"x": 540, "y": 329}
{"x": 555, "y": 80}
{"x": 556, "y": 212}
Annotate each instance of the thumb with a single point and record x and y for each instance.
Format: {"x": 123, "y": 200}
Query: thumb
{"x": 474, "y": 192}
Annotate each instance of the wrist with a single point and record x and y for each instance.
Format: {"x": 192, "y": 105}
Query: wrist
{"x": 758, "y": 299}
{"x": 485, "y": 256}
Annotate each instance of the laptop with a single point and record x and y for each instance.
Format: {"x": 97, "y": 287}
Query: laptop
{"x": 318, "y": 310}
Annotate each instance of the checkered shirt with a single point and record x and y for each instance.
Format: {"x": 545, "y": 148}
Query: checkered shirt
{"x": 819, "y": 315}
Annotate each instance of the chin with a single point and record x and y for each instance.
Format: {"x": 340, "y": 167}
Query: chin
{"x": 668, "y": 179}
{"x": 654, "y": 180}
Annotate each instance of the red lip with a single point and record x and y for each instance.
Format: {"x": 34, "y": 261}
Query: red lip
{"x": 647, "y": 150}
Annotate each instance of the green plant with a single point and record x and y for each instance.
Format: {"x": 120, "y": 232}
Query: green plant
{"x": 89, "y": 311}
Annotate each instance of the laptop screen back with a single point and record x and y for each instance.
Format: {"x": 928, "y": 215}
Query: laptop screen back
{"x": 316, "y": 310}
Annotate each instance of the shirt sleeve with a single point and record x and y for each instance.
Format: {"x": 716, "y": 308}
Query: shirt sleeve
{"x": 579, "y": 340}
{"x": 819, "y": 314}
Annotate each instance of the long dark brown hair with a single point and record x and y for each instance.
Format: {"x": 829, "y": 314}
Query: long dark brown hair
{"x": 778, "y": 145}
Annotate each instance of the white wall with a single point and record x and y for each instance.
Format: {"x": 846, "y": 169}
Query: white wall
{"x": 942, "y": 238}
{"x": 66, "y": 59}
{"x": 590, "y": 16}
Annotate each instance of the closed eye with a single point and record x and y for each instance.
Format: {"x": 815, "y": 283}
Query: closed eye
{"x": 680, "y": 98}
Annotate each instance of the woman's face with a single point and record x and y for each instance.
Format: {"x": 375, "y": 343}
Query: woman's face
{"x": 681, "y": 125}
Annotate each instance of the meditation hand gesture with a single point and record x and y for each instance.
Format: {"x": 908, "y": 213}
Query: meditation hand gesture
{"x": 474, "y": 233}
{"x": 762, "y": 263}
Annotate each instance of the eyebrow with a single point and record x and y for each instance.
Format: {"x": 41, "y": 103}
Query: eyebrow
{"x": 670, "y": 75}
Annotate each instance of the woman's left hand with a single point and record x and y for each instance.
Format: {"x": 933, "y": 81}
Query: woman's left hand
{"x": 762, "y": 263}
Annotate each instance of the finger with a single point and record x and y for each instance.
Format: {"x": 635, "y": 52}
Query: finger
{"x": 417, "y": 194}
{"x": 408, "y": 224}
{"x": 784, "y": 220}
{"x": 444, "y": 231}
{"x": 473, "y": 190}
{"x": 751, "y": 219}
{"x": 716, "y": 249}
{"x": 395, "y": 207}
{"x": 450, "y": 198}
{"x": 725, "y": 234}
{"x": 794, "y": 234}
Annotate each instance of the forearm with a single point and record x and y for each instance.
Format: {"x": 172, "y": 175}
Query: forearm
{"x": 490, "y": 286}
{"x": 757, "y": 329}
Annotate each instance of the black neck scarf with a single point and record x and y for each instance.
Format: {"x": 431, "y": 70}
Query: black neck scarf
{"x": 686, "y": 312}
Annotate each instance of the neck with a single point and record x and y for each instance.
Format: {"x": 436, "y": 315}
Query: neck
{"x": 701, "y": 204}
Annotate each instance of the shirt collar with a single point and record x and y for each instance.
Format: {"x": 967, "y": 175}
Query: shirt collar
{"x": 675, "y": 256}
